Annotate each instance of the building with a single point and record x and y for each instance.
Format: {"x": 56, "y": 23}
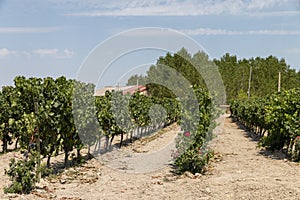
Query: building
{"x": 125, "y": 89}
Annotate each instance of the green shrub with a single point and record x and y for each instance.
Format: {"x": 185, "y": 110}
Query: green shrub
{"x": 193, "y": 160}
{"x": 44, "y": 170}
{"x": 192, "y": 152}
{"x": 22, "y": 175}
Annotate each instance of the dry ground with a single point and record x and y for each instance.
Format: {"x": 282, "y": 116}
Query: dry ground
{"x": 239, "y": 170}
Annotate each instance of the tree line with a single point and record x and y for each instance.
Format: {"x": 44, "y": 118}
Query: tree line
{"x": 235, "y": 74}
{"x": 264, "y": 80}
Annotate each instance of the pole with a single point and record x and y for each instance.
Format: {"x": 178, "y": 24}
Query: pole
{"x": 279, "y": 81}
{"x": 249, "y": 85}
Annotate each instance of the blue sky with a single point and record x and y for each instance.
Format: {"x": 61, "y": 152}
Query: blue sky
{"x": 53, "y": 37}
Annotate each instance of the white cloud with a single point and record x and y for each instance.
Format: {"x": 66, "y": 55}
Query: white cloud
{"x": 68, "y": 53}
{"x": 42, "y": 53}
{"x": 259, "y": 4}
{"x": 46, "y": 52}
{"x": 55, "y": 53}
{"x": 4, "y": 52}
{"x": 209, "y": 31}
{"x": 28, "y": 29}
{"x": 274, "y": 14}
{"x": 166, "y": 7}
{"x": 148, "y": 31}
{"x": 273, "y": 32}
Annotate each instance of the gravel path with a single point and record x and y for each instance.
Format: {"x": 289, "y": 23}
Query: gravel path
{"x": 144, "y": 157}
{"x": 239, "y": 170}
{"x": 243, "y": 171}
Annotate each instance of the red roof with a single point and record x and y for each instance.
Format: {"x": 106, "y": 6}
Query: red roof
{"x": 125, "y": 89}
{"x": 133, "y": 89}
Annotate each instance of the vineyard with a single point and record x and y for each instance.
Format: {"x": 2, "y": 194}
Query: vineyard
{"x": 275, "y": 118}
{"x": 43, "y": 120}
{"x": 45, "y": 117}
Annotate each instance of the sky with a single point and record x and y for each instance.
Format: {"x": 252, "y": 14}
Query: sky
{"x": 55, "y": 37}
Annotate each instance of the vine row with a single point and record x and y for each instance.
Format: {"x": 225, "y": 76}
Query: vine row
{"x": 276, "y": 118}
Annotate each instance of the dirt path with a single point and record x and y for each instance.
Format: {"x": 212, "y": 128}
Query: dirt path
{"x": 239, "y": 171}
{"x": 145, "y": 155}
{"x": 243, "y": 171}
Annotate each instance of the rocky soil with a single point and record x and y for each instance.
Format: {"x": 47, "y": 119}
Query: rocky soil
{"x": 239, "y": 170}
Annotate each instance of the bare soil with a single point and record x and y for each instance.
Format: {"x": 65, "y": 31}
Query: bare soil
{"x": 239, "y": 170}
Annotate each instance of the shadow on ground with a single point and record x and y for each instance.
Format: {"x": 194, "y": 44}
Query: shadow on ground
{"x": 276, "y": 154}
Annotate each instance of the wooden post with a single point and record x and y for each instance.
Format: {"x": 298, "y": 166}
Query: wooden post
{"x": 249, "y": 85}
{"x": 279, "y": 81}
